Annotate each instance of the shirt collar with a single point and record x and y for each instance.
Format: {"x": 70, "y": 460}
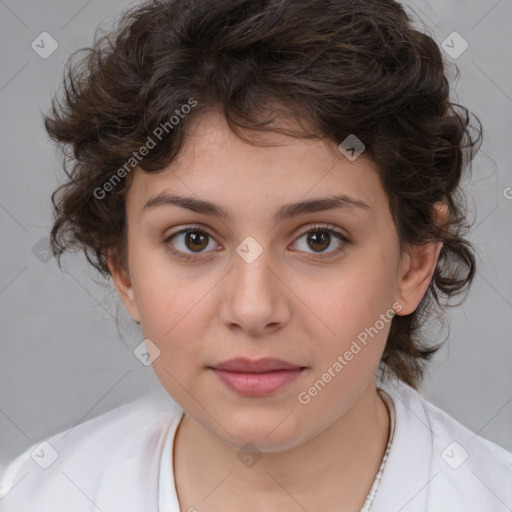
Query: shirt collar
{"x": 407, "y": 474}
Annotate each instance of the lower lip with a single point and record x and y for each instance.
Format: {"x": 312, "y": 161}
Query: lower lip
{"x": 257, "y": 384}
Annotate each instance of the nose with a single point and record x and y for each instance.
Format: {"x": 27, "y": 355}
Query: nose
{"x": 254, "y": 298}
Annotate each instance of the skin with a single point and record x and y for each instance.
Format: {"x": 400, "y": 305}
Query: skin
{"x": 295, "y": 302}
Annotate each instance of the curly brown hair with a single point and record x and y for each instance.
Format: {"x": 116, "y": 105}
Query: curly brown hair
{"x": 342, "y": 66}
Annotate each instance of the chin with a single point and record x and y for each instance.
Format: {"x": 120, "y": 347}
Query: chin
{"x": 267, "y": 432}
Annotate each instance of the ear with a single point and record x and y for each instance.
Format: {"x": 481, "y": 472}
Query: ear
{"x": 417, "y": 268}
{"x": 122, "y": 282}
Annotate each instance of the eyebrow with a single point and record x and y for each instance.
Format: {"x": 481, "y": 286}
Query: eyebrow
{"x": 287, "y": 211}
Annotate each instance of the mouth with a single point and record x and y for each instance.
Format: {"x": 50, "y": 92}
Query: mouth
{"x": 256, "y": 378}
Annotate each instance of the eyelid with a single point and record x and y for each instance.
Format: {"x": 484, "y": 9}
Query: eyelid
{"x": 190, "y": 227}
{"x": 199, "y": 228}
{"x": 332, "y": 230}
{"x": 321, "y": 226}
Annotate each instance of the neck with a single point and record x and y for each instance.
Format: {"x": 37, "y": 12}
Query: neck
{"x": 332, "y": 471}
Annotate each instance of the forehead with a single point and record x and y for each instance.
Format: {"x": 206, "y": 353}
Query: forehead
{"x": 216, "y": 165}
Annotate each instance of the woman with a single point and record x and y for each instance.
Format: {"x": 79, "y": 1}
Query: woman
{"x": 272, "y": 187}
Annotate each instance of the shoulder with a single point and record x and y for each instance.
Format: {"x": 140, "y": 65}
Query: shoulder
{"x": 465, "y": 470}
{"x": 83, "y": 466}
{"x": 463, "y": 442}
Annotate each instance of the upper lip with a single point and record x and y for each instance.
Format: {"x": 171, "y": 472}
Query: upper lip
{"x": 245, "y": 365}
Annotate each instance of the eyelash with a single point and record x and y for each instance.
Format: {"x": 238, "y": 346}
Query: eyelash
{"x": 197, "y": 229}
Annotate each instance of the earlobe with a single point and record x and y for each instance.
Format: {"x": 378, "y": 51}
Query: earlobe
{"x": 122, "y": 282}
{"x": 419, "y": 264}
{"x": 416, "y": 274}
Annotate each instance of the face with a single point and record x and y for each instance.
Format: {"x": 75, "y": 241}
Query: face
{"x": 265, "y": 279}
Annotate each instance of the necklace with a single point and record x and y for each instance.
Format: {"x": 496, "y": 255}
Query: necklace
{"x": 373, "y": 490}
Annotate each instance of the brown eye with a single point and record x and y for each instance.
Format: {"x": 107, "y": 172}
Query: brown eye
{"x": 196, "y": 240}
{"x": 187, "y": 242}
{"x": 319, "y": 240}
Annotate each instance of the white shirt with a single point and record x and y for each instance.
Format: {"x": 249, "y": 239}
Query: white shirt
{"x": 121, "y": 461}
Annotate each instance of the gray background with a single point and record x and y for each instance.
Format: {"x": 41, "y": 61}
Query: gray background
{"x": 62, "y": 359}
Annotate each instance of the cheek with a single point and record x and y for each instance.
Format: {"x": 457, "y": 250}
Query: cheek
{"x": 347, "y": 354}
{"x": 162, "y": 291}
{"x": 174, "y": 309}
{"x": 173, "y": 316}
{"x": 171, "y": 310}
{"x": 355, "y": 307}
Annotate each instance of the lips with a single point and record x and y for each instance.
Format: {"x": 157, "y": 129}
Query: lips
{"x": 256, "y": 378}
{"x": 245, "y": 365}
